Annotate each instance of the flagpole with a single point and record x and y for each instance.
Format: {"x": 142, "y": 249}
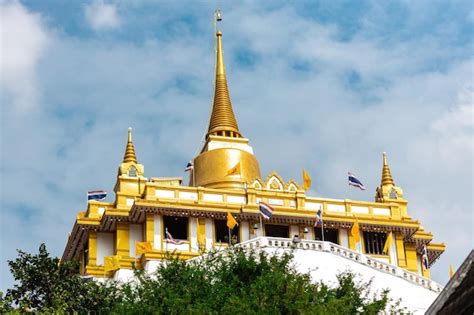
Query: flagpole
{"x": 230, "y": 244}
{"x": 166, "y": 243}
{"x": 322, "y": 224}
{"x": 261, "y": 225}
{"x": 349, "y": 188}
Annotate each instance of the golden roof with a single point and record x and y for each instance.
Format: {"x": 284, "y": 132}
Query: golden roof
{"x": 130, "y": 150}
{"x": 222, "y": 122}
{"x": 386, "y": 175}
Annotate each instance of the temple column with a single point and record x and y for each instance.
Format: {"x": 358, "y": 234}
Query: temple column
{"x": 150, "y": 228}
{"x": 122, "y": 240}
{"x": 92, "y": 248}
{"x": 400, "y": 247}
{"x": 411, "y": 259}
{"x": 201, "y": 233}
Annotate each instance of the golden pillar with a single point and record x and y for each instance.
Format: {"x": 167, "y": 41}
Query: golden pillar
{"x": 122, "y": 239}
{"x": 150, "y": 228}
{"x": 92, "y": 248}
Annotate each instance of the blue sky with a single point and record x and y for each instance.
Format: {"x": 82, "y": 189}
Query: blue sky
{"x": 321, "y": 85}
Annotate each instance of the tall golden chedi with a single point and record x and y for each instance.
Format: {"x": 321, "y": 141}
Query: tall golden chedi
{"x": 225, "y": 148}
{"x": 152, "y": 216}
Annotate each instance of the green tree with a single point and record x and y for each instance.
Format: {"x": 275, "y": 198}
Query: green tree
{"x": 230, "y": 282}
{"x": 240, "y": 281}
{"x": 43, "y": 284}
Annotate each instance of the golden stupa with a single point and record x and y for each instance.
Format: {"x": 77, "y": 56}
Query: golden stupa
{"x": 225, "y": 149}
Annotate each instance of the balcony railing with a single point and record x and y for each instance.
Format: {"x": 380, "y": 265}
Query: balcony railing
{"x": 289, "y": 244}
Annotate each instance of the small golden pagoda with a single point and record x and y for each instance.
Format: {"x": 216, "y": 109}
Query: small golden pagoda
{"x": 168, "y": 216}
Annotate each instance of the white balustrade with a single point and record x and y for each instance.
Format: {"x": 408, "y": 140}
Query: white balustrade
{"x": 287, "y": 243}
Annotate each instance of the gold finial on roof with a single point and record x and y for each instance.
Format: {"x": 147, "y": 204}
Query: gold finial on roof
{"x": 130, "y": 150}
{"x": 386, "y": 175}
{"x": 222, "y": 122}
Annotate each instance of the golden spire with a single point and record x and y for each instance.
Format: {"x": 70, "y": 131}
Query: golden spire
{"x": 223, "y": 122}
{"x": 386, "y": 175}
{"x": 130, "y": 150}
{"x": 226, "y": 160}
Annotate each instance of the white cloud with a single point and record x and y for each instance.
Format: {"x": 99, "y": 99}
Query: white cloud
{"x": 459, "y": 121}
{"x": 102, "y": 16}
{"x": 23, "y": 40}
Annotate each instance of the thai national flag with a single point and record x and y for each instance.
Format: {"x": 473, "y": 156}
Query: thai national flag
{"x": 189, "y": 167}
{"x": 265, "y": 210}
{"x": 424, "y": 257}
{"x": 96, "y": 195}
{"x": 354, "y": 181}
{"x": 319, "y": 217}
{"x": 169, "y": 238}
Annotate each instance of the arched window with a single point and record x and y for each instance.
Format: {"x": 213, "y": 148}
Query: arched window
{"x": 132, "y": 171}
{"x": 393, "y": 193}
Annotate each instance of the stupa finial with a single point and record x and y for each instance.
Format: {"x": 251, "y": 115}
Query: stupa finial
{"x": 222, "y": 121}
{"x": 386, "y": 175}
{"x": 130, "y": 149}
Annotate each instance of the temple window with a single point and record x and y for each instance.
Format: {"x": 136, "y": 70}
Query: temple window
{"x": 132, "y": 171}
{"x": 176, "y": 226}
{"x": 221, "y": 232}
{"x": 393, "y": 193}
{"x": 277, "y": 230}
{"x": 374, "y": 242}
{"x": 330, "y": 235}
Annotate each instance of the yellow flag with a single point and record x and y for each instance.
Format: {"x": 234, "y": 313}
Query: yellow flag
{"x": 451, "y": 271}
{"x": 111, "y": 263}
{"x": 355, "y": 231}
{"x": 231, "y": 222}
{"x": 388, "y": 242}
{"x": 142, "y": 247}
{"x": 306, "y": 180}
{"x": 235, "y": 170}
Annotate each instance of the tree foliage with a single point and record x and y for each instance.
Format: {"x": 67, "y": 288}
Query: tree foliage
{"x": 237, "y": 281}
{"x": 43, "y": 284}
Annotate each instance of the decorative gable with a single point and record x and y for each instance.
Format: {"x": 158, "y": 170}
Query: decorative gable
{"x": 274, "y": 182}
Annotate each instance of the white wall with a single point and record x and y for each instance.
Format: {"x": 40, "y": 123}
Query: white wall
{"x": 136, "y": 235}
{"x": 343, "y": 238}
{"x": 157, "y": 239}
{"x": 193, "y": 231}
{"x": 124, "y": 275}
{"x": 171, "y": 247}
{"x": 294, "y": 230}
{"x": 310, "y": 234}
{"x": 244, "y": 231}
{"x": 260, "y": 229}
{"x": 105, "y": 246}
{"x": 209, "y": 234}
